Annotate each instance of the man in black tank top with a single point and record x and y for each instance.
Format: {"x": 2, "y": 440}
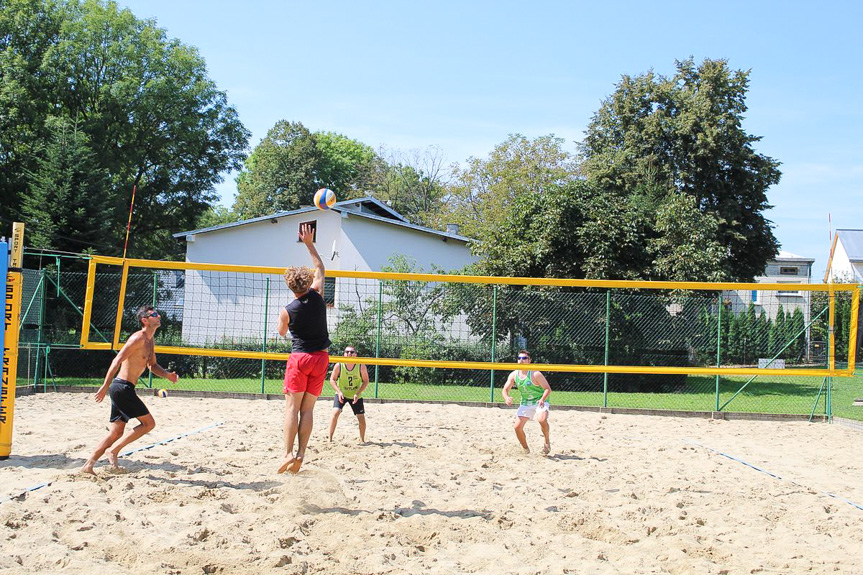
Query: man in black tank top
{"x": 306, "y": 318}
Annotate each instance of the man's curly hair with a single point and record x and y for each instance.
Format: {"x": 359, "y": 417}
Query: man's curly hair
{"x": 299, "y": 278}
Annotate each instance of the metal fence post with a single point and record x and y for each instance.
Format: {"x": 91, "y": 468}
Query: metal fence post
{"x": 39, "y": 333}
{"x": 378, "y": 338}
{"x": 718, "y": 346}
{"x": 155, "y": 294}
{"x": 607, "y": 345}
{"x": 264, "y": 342}
{"x": 493, "y": 339}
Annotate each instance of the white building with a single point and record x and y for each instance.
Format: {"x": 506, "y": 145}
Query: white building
{"x": 357, "y": 235}
{"x": 786, "y": 268}
{"x": 846, "y": 257}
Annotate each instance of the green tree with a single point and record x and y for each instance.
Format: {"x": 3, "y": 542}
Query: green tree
{"x": 291, "y": 163}
{"x": 413, "y": 184}
{"x": 685, "y": 134}
{"x": 280, "y": 172}
{"x": 27, "y": 30}
{"x": 66, "y": 201}
{"x": 154, "y": 120}
{"x": 478, "y": 195}
{"x": 345, "y": 166}
{"x": 216, "y": 216}
{"x": 684, "y": 246}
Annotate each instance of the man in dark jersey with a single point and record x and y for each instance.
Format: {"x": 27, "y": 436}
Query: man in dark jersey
{"x": 306, "y": 319}
{"x": 137, "y": 355}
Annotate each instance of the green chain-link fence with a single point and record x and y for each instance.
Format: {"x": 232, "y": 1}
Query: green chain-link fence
{"x": 460, "y": 322}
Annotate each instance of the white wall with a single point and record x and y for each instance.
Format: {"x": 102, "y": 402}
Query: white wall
{"x": 842, "y": 269}
{"x": 372, "y": 243}
{"x": 265, "y": 243}
{"x": 231, "y": 306}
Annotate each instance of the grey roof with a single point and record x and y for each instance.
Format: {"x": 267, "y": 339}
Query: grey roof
{"x": 791, "y": 258}
{"x": 368, "y": 207}
{"x": 852, "y": 241}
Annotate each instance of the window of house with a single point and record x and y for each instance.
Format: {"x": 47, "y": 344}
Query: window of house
{"x": 788, "y": 270}
{"x": 314, "y": 224}
{"x": 330, "y": 291}
{"x": 795, "y": 293}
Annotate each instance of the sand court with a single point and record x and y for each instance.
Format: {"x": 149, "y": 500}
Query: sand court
{"x": 437, "y": 488}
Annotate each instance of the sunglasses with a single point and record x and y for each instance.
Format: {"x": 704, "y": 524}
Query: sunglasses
{"x": 353, "y": 351}
{"x": 153, "y": 314}
{"x": 524, "y": 357}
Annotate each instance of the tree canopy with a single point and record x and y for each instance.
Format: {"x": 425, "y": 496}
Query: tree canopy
{"x": 479, "y": 194}
{"x": 291, "y": 163}
{"x": 684, "y": 135}
{"x": 668, "y": 188}
{"x": 145, "y": 115}
{"x": 95, "y": 103}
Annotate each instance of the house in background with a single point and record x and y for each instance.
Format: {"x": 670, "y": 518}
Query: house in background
{"x": 846, "y": 257}
{"x": 787, "y": 268}
{"x": 361, "y": 234}
{"x": 356, "y": 235}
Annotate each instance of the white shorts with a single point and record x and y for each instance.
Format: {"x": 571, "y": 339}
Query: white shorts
{"x": 530, "y": 411}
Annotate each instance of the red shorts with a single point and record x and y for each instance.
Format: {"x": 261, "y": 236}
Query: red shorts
{"x": 306, "y": 372}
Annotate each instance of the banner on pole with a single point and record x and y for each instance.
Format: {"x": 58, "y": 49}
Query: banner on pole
{"x": 11, "y": 316}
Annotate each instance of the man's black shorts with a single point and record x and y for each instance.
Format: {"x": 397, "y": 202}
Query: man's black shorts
{"x": 358, "y": 408}
{"x": 125, "y": 403}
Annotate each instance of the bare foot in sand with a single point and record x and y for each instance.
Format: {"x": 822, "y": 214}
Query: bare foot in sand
{"x": 112, "y": 459}
{"x": 88, "y": 469}
{"x": 295, "y": 465}
{"x": 526, "y": 450}
{"x": 285, "y": 464}
{"x": 546, "y": 449}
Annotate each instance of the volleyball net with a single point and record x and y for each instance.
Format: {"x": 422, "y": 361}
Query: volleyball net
{"x": 600, "y": 337}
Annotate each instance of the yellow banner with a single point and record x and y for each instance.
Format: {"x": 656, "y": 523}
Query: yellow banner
{"x": 11, "y": 318}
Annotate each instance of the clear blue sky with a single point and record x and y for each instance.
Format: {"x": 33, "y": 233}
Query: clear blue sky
{"x": 463, "y": 75}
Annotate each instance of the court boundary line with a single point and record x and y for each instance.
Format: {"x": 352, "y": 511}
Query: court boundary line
{"x": 124, "y": 454}
{"x": 791, "y": 481}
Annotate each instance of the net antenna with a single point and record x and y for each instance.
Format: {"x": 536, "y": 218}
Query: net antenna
{"x": 828, "y": 272}
{"x": 129, "y": 223}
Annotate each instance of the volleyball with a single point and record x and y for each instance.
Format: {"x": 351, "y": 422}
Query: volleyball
{"x": 162, "y": 393}
{"x": 325, "y": 198}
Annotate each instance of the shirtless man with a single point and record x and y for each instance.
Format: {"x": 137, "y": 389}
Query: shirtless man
{"x": 137, "y": 355}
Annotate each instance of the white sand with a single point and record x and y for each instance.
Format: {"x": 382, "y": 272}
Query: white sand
{"x": 439, "y": 489}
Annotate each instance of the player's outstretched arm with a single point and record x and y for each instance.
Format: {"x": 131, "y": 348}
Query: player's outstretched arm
{"x": 307, "y": 236}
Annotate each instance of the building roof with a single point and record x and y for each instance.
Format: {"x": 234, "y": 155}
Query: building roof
{"x": 367, "y": 207}
{"x": 852, "y": 241}
{"x": 789, "y": 257}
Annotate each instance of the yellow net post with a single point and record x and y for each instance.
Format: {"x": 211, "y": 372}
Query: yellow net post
{"x": 11, "y": 318}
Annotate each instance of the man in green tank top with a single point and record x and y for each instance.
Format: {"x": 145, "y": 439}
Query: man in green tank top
{"x": 349, "y": 382}
{"x": 534, "y": 390}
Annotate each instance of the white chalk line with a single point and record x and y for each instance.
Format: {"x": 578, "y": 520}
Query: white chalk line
{"x": 124, "y": 454}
